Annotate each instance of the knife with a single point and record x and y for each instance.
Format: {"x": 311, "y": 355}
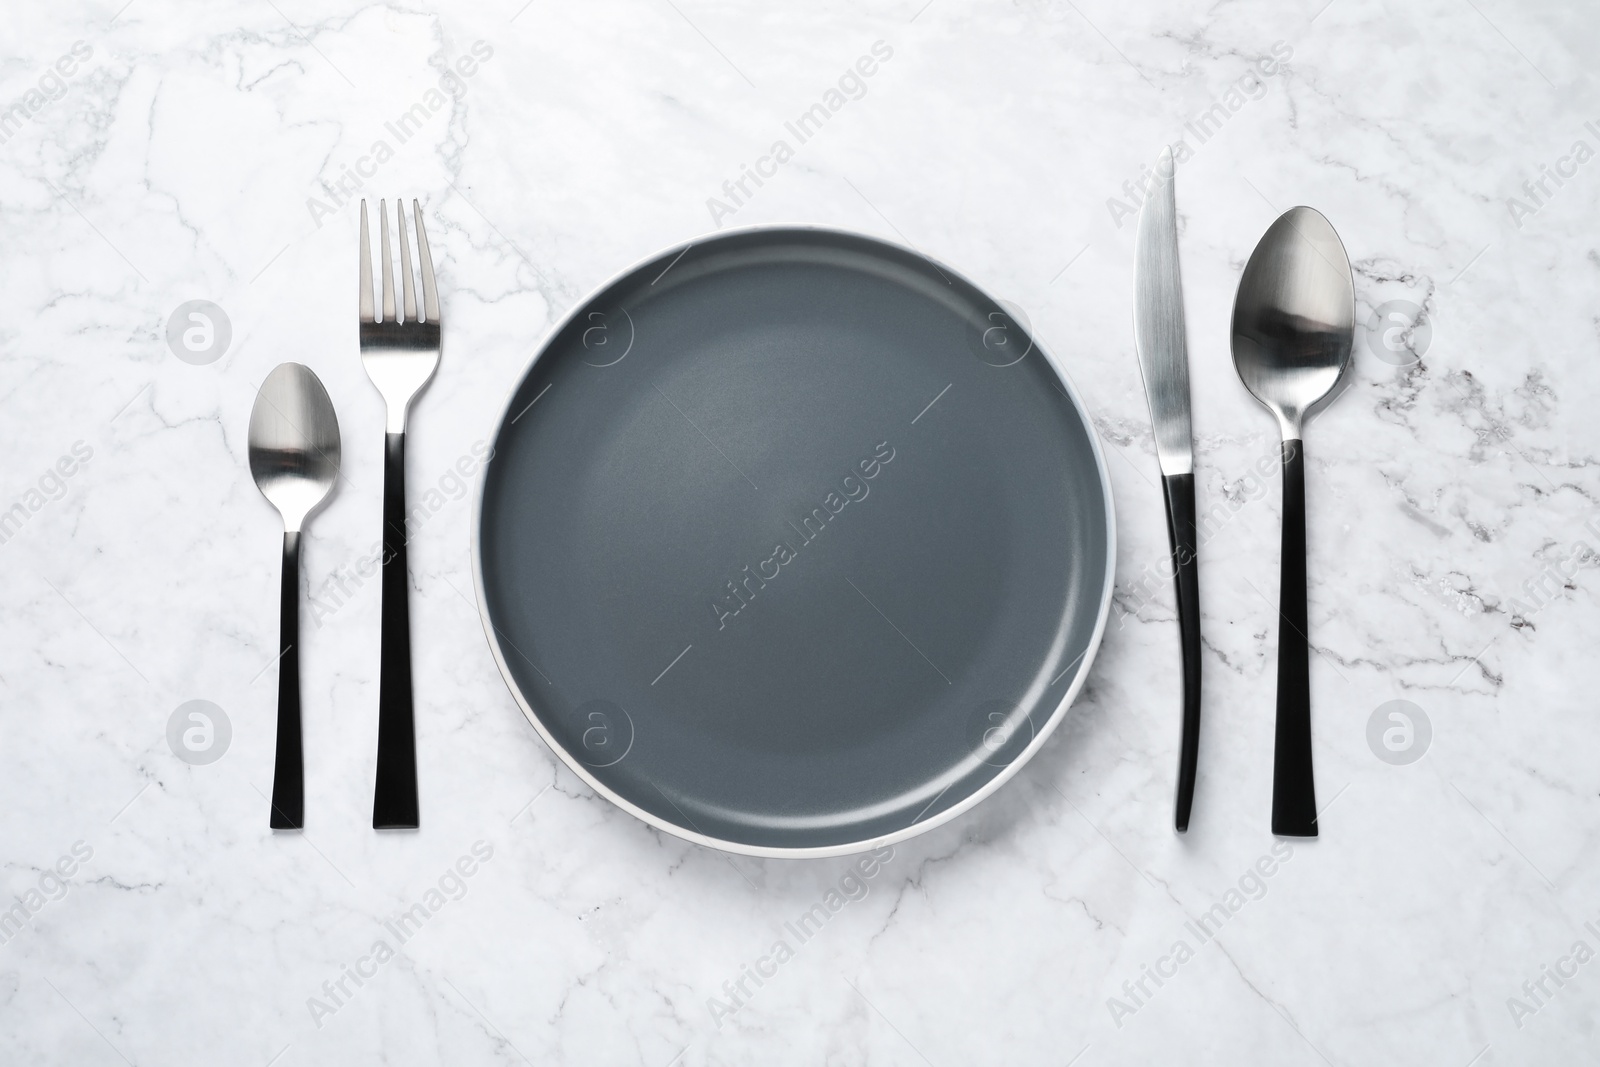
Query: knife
{"x": 1158, "y": 334}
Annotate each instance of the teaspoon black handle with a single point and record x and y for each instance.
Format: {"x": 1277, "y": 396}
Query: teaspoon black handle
{"x": 1186, "y": 577}
{"x": 288, "y": 772}
{"x": 394, "y": 804}
{"x": 1294, "y": 797}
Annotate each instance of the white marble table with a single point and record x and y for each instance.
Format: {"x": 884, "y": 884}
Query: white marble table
{"x": 211, "y": 152}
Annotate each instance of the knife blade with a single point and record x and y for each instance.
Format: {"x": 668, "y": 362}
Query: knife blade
{"x": 1161, "y": 342}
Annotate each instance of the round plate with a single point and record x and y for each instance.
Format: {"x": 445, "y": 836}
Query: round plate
{"x": 793, "y": 542}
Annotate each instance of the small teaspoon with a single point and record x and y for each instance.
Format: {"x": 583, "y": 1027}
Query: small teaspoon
{"x": 294, "y": 458}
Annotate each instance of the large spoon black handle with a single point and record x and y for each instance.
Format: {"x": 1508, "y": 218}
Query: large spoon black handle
{"x": 1294, "y": 795}
{"x": 394, "y": 804}
{"x": 1186, "y": 577}
{"x": 288, "y": 772}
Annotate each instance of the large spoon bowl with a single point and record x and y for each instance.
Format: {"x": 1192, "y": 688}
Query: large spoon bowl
{"x": 1294, "y": 317}
{"x": 1293, "y": 324}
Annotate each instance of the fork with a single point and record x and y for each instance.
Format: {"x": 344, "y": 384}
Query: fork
{"x": 400, "y": 354}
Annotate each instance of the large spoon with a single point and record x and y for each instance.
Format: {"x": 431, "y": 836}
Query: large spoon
{"x": 1293, "y": 322}
{"x": 294, "y": 457}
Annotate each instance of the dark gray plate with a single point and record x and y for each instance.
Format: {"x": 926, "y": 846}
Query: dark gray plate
{"x": 793, "y": 542}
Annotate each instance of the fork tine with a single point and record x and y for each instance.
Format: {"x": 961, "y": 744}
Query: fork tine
{"x": 407, "y": 286}
{"x": 366, "y": 268}
{"x": 388, "y": 271}
{"x": 430, "y": 294}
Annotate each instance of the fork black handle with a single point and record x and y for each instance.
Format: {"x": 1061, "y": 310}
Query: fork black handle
{"x": 1294, "y": 795}
{"x": 1179, "y": 497}
{"x": 288, "y": 771}
{"x": 394, "y": 804}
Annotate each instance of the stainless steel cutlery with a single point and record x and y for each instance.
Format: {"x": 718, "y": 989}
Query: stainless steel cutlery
{"x": 1293, "y": 324}
{"x": 294, "y": 458}
{"x": 1162, "y": 344}
{"x": 1292, "y": 329}
{"x": 400, "y": 352}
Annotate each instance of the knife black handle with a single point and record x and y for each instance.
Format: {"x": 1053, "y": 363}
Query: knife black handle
{"x": 1294, "y": 796}
{"x": 1186, "y": 577}
{"x": 288, "y": 771}
{"x": 394, "y": 803}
